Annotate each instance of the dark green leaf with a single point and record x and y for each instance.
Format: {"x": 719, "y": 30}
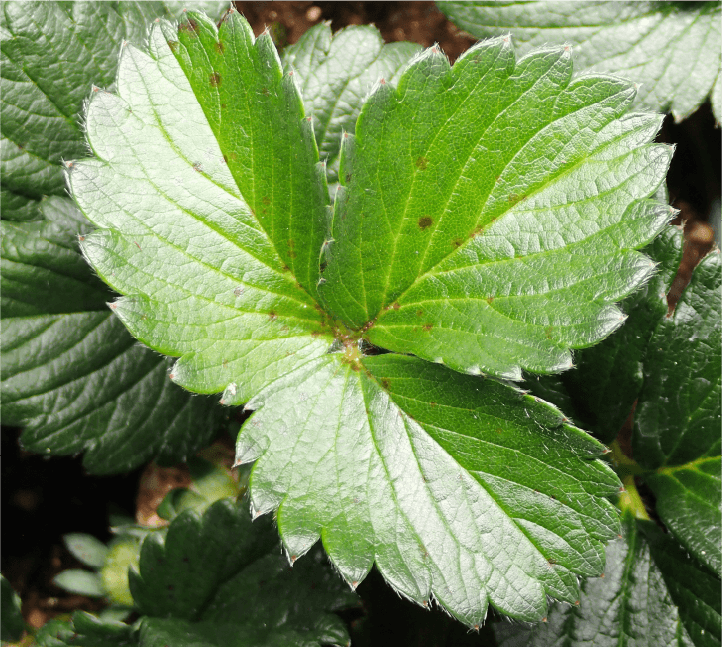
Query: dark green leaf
{"x": 50, "y": 54}
{"x": 651, "y": 595}
{"x": 86, "y": 630}
{"x": 12, "y": 624}
{"x": 672, "y": 49}
{"x": 336, "y": 73}
{"x": 446, "y": 481}
{"x": 677, "y": 420}
{"x": 219, "y": 579}
{"x": 504, "y": 224}
{"x": 608, "y": 377}
{"x": 72, "y": 375}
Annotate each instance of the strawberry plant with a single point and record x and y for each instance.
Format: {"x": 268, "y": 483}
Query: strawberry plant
{"x": 408, "y": 279}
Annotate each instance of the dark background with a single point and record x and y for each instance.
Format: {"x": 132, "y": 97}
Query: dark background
{"x": 43, "y": 499}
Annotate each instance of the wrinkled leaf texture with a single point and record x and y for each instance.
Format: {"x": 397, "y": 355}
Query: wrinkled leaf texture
{"x": 72, "y": 375}
{"x": 652, "y": 594}
{"x": 671, "y": 49}
{"x": 677, "y": 419}
{"x": 458, "y": 487}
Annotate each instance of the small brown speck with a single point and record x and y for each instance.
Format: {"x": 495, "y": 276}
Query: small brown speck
{"x": 215, "y": 79}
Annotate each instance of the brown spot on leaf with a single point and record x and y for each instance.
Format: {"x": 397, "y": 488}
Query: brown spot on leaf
{"x": 490, "y": 300}
{"x": 266, "y": 200}
{"x": 385, "y": 383}
{"x": 425, "y": 222}
{"x": 215, "y": 79}
{"x": 548, "y": 332}
{"x": 348, "y": 178}
{"x": 291, "y": 254}
{"x": 173, "y": 44}
{"x": 513, "y": 198}
{"x": 265, "y": 92}
{"x": 419, "y": 313}
{"x": 422, "y": 163}
{"x": 456, "y": 243}
{"x": 225, "y": 159}
{"x": 395, "y": 305}
{"x": 225, "y": 363}
{"x": 427, "y": 327}
{"x": 291, "y": 243}
{"x": 272, "y": 315}
{"x": 220, "y": 48}
{"x": 189, "y": 26}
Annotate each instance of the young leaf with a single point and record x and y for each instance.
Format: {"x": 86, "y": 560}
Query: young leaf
{"x": 677, "y": 420}
{"x": 72, "y": 375}
{"x": 50, "y": 53}
{"x": 651, "y": 594}
{"x": 448, "y": 482}
{"x": 672, "y": 49}
{"x": 12, "y": 624}
{"x": 491, "y": 211}
{"x": 336, "y": 73}
{"x": 218, "y": 578}
{"x": 608, "y": 377}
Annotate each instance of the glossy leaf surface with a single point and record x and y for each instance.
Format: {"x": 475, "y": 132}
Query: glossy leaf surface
{"x": 652, "y": 594}
{"x": 677, "y": 420}
{"x": 72, "y": 375}
{"x": 51, "y": 53}
{"x": 504, "y": 224}
{"x": 445, "y": 481}
{"x": 457, "y": 487}
{"x": 336, "y": 73}
{"x": 209, "y": 225}
{"x": 218, "y": 579}
{"x": 672, "y": 49}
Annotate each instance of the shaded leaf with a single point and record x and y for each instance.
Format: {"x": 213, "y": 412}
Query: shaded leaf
{"x": 12, "y": 624}
{"x": 72, "y": 375}
{"x": 651, "y": 594}
{"x": 608, "y": 377}
{"x": 86, "y": 630}
{"x": 677, "y": 420}
{"x": 336, "y": 73}
{"x": 51, "y": 52}
{"x": 445, "y": 481}
{"x": 671, "y": 49}
{"x": 490, "y": 251}
{"x": 218, "y": 578}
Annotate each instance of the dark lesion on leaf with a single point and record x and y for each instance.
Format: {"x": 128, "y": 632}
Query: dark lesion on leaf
{"x": 425, "y": 222}
{"x": 220, "y": 48}
{"x": 189, "y": 26}
{"x": 272, "y": 315}
{"x": 215, "y": 79}
{"x": 173, "y": 44}
{"x": 266, "y": 200}
{"x": 456, "y": 243}
{"x": 422, "y": 163}
{"x": 427, "y": 327}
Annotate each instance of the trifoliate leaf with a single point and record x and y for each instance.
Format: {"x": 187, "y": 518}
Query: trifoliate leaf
{"x": 651, "y": 594}
{"x": 212, "y": 227}
{"x": 336, "y": 73}
{"x": 608, "y": 377}
{"x": 72, "y": 375}
{"x": 12, "y": 624}
{"x": 191, "y": 587}
{"x": 448, "y": 482}
{"x": 503, "y": 226}
{"x": 50, "y": 53}
{"x": 211, "y": 223}
{"x": 677, "y": 420}
{"x": 672, "y": 49}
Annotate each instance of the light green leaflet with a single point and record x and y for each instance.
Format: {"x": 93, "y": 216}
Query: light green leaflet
{"x": 505, "y": 216}
{"x": 213, "y": 211}
{"x": 673, "y": 50}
